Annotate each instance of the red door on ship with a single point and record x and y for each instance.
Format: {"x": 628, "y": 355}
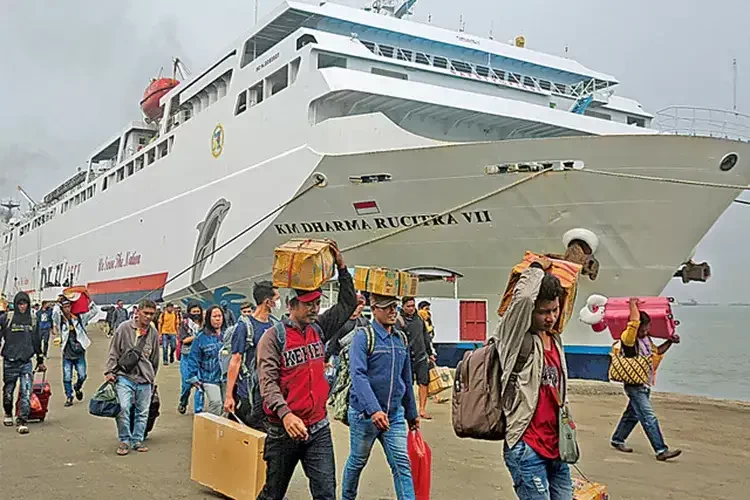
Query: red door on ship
{"x": 473, "y": 319}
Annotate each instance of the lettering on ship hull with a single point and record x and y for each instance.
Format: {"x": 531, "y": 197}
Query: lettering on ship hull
{"x": 381, "y": 223}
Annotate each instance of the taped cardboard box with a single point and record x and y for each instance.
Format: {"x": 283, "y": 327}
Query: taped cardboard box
{"x": 227, "y": 457}
{"x": 303, "y": 264}
{"x": 588, "y": 490}
{"x": 567, "y": 272}
{"x": 383, "y": 281}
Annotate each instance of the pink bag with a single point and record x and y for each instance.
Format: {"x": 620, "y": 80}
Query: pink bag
{"x": 617, "y": 312}
{"x": 420, "y": 457}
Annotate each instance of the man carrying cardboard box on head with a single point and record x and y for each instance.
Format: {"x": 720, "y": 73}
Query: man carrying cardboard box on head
{"x": 294, "y": 388}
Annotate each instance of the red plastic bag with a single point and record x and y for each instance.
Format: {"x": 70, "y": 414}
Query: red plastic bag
{"x": 420, "y": 457}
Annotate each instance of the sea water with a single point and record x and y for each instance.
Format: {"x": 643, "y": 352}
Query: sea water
{"x": 713, "y": 358}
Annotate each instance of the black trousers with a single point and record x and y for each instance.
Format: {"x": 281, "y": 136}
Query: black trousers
{"x": 282, "y": 454}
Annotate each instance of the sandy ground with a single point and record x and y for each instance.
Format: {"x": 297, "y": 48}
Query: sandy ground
{"x": 71, "y": 455}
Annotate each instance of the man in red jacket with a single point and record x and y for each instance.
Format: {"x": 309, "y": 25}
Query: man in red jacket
{"x": 291, "y": 368}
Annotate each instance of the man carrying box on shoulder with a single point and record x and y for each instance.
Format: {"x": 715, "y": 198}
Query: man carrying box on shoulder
{"x": 291, "y": 368}
{"x": 382, "y": 399}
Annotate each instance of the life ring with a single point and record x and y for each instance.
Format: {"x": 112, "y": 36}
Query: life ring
{"x": 584, "y": 235}
{"x": 593, "y": 312}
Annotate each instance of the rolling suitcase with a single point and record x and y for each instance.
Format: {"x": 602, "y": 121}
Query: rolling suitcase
{"x": 40, "y": 394}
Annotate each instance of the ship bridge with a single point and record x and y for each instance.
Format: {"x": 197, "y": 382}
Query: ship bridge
{"x": 462, "y": 53}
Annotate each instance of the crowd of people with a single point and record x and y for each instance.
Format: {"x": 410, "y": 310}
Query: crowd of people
{"x": 278, "y": 375}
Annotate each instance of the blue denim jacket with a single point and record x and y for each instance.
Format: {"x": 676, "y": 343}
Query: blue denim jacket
{"x": 203, "y": 361}
{"x": 381, "y": 381}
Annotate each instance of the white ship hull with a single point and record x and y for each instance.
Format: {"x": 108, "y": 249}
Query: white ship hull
{"x": 223, "y": 160}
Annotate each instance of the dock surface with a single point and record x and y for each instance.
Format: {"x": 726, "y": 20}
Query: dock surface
{"x": 72, "y": 454}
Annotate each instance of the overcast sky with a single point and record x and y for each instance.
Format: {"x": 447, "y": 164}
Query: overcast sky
{"x": 72, "y": 73}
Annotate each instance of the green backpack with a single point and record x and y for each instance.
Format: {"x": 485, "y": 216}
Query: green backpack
{"x": 340, "y": 396}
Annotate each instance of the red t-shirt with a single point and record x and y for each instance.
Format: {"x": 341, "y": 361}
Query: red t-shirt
{"x": 542, "y": 433}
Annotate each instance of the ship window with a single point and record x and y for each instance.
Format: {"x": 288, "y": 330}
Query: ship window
{"x": 163, "y": 149}
{"x": 440, "y": 62}
{"x": 544, "y": 84}
{"x": 386, "y": 50}
{"x": 241, "y": 103}
{"x": 528, "y": 81}
{"x": 142, "y": 141}
{"x": 139, "y": 163}
{"x": 120, "y": 174}
{"x": 278, "y": 81}
{"x": 422, "y": 58}
{"x": 461, "y": 66}
{"x": 404, "y": 54}
{"x": 294, "y": 70}
{"x": 597, "y": 114}
{"x": 499, "y": 74}
{"x": 256, "y": 94}
{"x": 483, "y": 71}
{"x": 130, "y": 168}
{"x": 371, "y": 46}
{"x": 390, "y": 74}
{"x": 305, "y": 39}
{"x": 638, "y": 122}
{"x": 104, "y": 183}
{"x": 150, "y": 156}
{"x": 331, "y": 61}
{"x": 90, "y": 190}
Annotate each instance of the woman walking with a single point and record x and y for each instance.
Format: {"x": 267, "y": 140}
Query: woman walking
{"x": 204, "y": 367}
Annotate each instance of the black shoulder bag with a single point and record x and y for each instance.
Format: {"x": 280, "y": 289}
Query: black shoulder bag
{"x": 129, "y": 360}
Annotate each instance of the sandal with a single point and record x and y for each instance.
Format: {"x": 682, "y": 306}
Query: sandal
{"x": 8, "y": 421}
{"x": 22, "y": 429}
{"x": 123, "y": 449}
{"x": 425, "y": 416}
{"x": 140, "y": 447}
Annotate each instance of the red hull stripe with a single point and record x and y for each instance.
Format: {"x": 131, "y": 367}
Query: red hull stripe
{"x": 144, "y": 283}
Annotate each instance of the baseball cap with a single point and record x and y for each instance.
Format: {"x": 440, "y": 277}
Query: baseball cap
{"x": 382, "y": 301}
{"x": 306, "y": 296}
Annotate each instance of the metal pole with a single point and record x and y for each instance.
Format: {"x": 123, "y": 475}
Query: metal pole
{"x": 734, "y": 84}
{"x": 256, "y": 12}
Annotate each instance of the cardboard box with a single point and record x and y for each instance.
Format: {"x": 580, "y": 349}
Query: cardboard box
{"x": 586, "y": 490}
{"x": 441, "y": 378}
{"x": 303, "y": 264}
{"x": 383, "y": 281}
{"x": 567, "y": 272}
{"x": 227, "y": 457}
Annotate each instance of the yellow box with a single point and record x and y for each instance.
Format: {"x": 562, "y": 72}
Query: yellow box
{"x": 227, "y": 456}
{"x": 383, "y": 281}
{"x": 441, "y": 379}
{"x": 303, "y": 264}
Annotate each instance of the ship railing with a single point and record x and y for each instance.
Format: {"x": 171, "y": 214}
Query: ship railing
{"x": 703, "y": 122}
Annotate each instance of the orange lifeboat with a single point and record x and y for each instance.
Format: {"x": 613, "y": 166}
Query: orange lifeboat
{"x": 153, "y": 94}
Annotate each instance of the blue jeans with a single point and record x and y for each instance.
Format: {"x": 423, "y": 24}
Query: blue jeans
{"x": 282, "y": 454}
{"x": 129, "y": 393}
{"x": 185, "y": 388}
{"x": 535, "y": 477}
{"x": 640, "y": 410}
{"x": 168, "y": 343}
{"x": 362, "y": 437}
{"x": 80, "y": 367}
{"x": 45, "y": 341}
{"x": 21, "y": 372}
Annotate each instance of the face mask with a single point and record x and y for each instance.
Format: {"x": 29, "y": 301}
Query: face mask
{"x": 195, "y": 316}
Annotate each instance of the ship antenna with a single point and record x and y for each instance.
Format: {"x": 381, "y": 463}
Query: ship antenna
{"x": 461, "y": 24}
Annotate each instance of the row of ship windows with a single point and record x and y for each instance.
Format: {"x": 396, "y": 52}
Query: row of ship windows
{"x": 149, "y": 157}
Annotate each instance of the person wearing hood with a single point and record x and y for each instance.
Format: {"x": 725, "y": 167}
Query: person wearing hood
{"x": 189, "y": 330}
{"x": 74, "y": 342}
{"x": 20, "y": 339}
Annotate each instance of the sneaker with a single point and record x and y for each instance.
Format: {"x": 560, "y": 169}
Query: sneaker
{"x": 182, "y": 409}
{"x": 171, "y": 358}
{"x": 668, "y": 455}
{"x": 22, "y": 429}
{"x": 68, "y": 402}
{"x": 79, "y": 394}
{"x": 622, "y": 448}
